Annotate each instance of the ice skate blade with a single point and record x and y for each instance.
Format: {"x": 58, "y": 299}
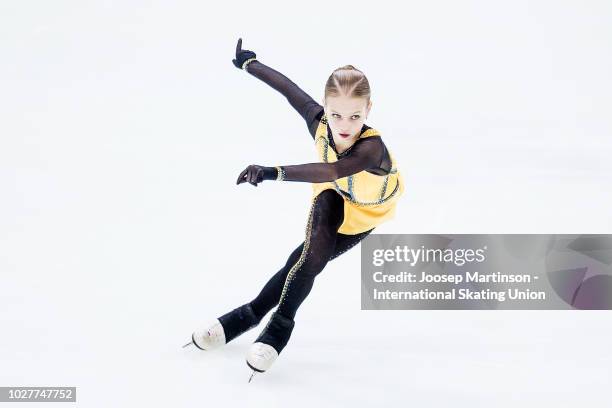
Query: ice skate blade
{"x": 255, "y": 369}
{"x": 193, "y": 343}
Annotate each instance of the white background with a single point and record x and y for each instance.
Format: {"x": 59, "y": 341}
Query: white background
{"x": 124, "y": 126}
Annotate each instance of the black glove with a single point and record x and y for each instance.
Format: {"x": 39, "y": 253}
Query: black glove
{"x": 256, "y": 174}
{"x": 242, "y": 55}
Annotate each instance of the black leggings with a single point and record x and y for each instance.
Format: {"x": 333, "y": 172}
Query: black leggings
{"x": 292, "y": 283}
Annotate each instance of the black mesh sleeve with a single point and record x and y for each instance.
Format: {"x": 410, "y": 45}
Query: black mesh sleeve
{"x": 307, "y": 107}
{"x": 365, "y": 154}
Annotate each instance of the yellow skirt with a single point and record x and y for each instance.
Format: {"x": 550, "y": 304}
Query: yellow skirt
{"x": 361, "y": 218}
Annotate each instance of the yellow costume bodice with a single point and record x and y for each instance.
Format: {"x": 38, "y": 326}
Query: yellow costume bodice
{"x": 369, "y": 199}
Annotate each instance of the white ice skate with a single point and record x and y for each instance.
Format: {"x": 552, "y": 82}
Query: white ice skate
{"x": 260, "y": 357}
{"x": 208, "y": 338}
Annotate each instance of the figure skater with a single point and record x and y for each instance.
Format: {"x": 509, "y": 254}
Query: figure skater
{"x": 355, "y": 188}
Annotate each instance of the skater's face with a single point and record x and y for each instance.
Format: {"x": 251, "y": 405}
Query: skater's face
{"x": 346, "y": 116}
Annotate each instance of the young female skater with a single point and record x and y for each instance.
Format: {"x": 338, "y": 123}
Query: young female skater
{"x": 355, "y": 188}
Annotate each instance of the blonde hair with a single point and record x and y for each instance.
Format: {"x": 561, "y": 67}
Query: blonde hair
{"x": 349, "y": 81}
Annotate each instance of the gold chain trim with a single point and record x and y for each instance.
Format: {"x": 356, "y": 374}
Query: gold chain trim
{"x": 300, "y": 261}
{"x": 247, "y": 62}
{"x": 281, "y": 173}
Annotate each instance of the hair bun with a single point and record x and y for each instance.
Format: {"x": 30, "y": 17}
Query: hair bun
{"x": 347, "y": 67}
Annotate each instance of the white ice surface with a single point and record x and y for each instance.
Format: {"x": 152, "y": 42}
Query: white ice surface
{"x": 123, "y": 127}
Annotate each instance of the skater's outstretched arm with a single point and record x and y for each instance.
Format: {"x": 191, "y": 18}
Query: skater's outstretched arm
{"x": 365, "y": 154}
{"x": 303, "y": 103}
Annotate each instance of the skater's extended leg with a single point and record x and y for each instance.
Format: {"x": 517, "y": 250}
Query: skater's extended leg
{"x": 326, "y": 216}
{"x": 247, "y": 316}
